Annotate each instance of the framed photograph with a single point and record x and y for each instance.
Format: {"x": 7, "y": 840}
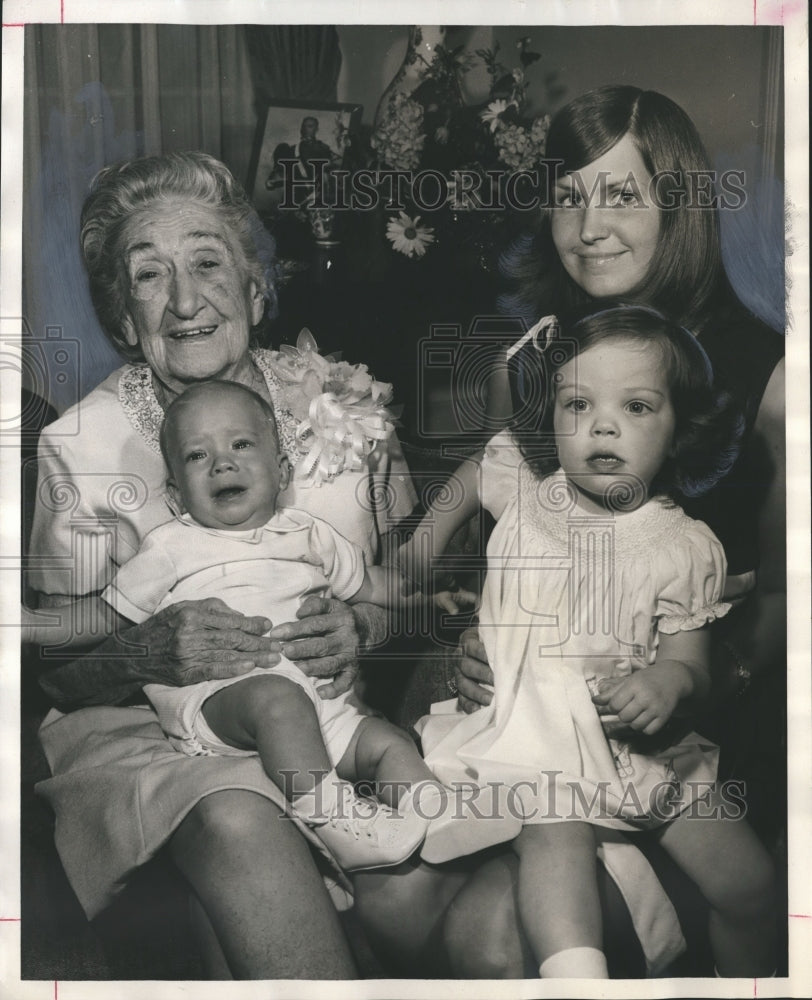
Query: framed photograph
{"x": 311, "y": 139}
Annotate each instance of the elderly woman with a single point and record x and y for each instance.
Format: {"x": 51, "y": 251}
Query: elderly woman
{"x": 174, "y": 254}
{"x": 641, "y": 237}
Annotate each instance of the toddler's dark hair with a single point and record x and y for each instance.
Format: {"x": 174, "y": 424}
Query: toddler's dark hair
{"x": 708, "y": 426}
{"x": 225, "y": 385}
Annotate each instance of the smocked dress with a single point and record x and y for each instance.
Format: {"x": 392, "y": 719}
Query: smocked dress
{"x": 571, "y": 598}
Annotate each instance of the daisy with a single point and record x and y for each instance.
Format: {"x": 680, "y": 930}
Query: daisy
{"x": 493, "y": 112}
{"x": 407, "y": 236}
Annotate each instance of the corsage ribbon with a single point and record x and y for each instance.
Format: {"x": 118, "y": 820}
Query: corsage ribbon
{"x": 346, "y": 417}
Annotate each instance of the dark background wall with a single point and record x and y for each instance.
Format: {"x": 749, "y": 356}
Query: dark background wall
{"x": 721, "y": 75}
{"x": 80, "y": 115}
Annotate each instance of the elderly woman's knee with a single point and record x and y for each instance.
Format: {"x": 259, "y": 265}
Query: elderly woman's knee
{"x": 485, "y": 944}
{"x": 402, "y": 911}
{"x": 228, "y": 818}
{"x": 482, "y": 934}
{"x": 384, "y": 897}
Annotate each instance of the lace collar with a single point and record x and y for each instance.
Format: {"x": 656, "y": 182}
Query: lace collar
{"x": 141, "y": 406}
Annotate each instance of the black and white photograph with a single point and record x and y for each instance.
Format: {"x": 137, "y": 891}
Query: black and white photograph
{"x": 296, "y": 148}
{"x": 484, "y": 350}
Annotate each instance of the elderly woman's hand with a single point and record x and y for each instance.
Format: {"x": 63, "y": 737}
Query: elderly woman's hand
{"x": 323, "y": 642}
{"x": 471, "y": 672}
{"x": 202, "y": 640}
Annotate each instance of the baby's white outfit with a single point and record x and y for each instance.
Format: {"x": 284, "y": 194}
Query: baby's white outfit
{"x": 571, "y": 598}
{"x": 264, "y": 571}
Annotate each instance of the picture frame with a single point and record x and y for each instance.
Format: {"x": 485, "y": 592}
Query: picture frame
{"x": 280, "y": 127}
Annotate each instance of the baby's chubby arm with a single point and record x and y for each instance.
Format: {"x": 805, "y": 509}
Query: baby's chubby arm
{"x": 676, "y": 683}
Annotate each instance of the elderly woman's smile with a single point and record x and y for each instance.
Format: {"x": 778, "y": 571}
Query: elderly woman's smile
{"x": 190, "y": 301}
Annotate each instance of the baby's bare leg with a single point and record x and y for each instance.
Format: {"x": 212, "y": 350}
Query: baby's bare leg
{"x": 558, "y": 898}
{"x": 273, "y": 715}
{"x": 735, "y": 874}
{"x": 382, "y": 753}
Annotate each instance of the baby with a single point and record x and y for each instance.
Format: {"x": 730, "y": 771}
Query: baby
{"x": 230, "y": 541}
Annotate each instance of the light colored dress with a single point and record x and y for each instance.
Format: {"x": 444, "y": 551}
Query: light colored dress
{"x": 119, "y": 789}
{"x": 257, "y": 571}
{"x": 571, "y": 598}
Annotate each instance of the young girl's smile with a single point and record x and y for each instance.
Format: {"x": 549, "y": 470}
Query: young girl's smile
{"x": 613, "y": 419}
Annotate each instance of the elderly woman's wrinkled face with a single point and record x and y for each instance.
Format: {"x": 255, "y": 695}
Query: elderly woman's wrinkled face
{"x": 604, "y": 225}
{"x": 190, "y": 303}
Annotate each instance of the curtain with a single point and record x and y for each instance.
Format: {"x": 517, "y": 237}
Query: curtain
{"x": 294, "y": 61}
{"x": 753, "y": 238}
{"x": 99, "y": 93}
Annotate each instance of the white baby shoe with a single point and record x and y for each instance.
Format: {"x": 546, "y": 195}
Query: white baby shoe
{"x": 364, "y": 833}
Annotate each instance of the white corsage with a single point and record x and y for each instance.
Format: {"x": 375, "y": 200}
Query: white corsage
{"x": 341, "y": 409}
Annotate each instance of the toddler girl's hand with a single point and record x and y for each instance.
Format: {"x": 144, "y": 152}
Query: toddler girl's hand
{"x": 473, "y": 678}
{"x": 644, "y": 701}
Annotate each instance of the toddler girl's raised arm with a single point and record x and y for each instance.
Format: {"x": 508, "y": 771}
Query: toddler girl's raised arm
{"x": 439, "y": 525}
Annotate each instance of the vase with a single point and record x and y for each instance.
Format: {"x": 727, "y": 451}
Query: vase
{"x": 322, "y": 225}
{"x": 421, "y": 52}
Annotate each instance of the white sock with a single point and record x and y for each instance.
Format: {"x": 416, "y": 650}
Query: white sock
{"x": 575, "y": 963}
{"x": 316, "y": 805}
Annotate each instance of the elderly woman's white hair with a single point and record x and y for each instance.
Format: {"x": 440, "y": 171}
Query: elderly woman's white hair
{"x": 118, "y": 192}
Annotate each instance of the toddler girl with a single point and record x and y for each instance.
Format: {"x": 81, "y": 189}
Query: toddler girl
{"x": 594, "y": 617}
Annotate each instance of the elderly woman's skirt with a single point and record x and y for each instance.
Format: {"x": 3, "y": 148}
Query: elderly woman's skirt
{"x": 119, "y": 791}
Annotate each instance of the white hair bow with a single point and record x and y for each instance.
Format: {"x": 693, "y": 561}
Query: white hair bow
{"x": 546, "y": 326}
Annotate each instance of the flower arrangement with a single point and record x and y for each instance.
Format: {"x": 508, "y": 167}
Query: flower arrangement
{"x": 398, "y": 138}
{"x": 520, "y": 145}
{"x": 431, "y": 128}
{"x": 341, "y": 409}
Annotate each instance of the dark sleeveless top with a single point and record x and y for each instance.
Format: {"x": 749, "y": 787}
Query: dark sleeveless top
{"x": 744, "y": 352}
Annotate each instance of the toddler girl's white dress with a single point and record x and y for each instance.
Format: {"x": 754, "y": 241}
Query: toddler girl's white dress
{"x": 571, "y": 598}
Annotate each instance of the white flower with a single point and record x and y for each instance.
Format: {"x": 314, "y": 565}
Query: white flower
{"x": 493, "y": 112}
{"x": 407, "y": 236}
{"x": 398, "y": 139}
